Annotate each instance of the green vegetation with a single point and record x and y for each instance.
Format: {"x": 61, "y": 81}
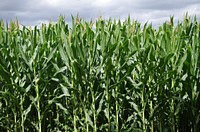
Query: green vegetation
{"x": 106, "y": 75}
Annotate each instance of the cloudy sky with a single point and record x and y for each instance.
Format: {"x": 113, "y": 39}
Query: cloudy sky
{"x": 33, "y": 12}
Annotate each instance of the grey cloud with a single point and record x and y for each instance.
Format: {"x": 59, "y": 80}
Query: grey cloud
{"x": 17, "y": 5}
{"x": 164, "y": 5}
{"x": 30, "y": 12}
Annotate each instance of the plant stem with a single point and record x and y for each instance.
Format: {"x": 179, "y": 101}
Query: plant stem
{"x": 38, "y": 111}
{"x": 38, "y": 101}
{"x": 117, "y": 110}
{"x": 143, "y": 111}
{"x": 74, "y": 114}
{"x": 108, "y": 105}
{"x": 151, "y": 110}
{"x": 86, "y": 121}
{"x": 172, "y": 109}
{"x": 93, "y": 107}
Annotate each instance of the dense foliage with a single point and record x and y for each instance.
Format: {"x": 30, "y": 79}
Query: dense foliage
{"x": 105, "y": 75}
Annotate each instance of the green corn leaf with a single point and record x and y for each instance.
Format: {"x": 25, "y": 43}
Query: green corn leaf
{"x": 182, "y": 60}
{"x": 65, "y": 90}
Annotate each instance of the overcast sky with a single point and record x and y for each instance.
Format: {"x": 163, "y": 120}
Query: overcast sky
{"x": 33, "y": 12}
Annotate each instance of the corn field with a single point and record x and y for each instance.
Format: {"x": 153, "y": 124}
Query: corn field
{"x": 100, "y": 76}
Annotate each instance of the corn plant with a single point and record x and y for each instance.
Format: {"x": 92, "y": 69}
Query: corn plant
{"x": 103, "y": 75}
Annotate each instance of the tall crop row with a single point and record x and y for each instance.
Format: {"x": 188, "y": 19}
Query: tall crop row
{"x": 105, "y": 75}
